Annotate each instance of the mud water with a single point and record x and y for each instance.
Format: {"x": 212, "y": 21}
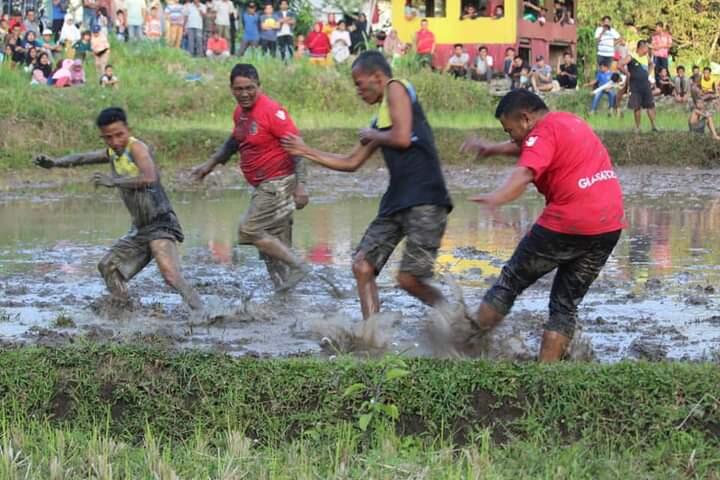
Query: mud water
{"x": 657, "y": 298}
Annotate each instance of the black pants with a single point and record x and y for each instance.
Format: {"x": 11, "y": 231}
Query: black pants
{"x": 567, "y": 82}
{"x": 56, "y": 28}
{"x": 268, "y": 47}
{"x": 285, "y": 45}
{"x": 578, "y": 260}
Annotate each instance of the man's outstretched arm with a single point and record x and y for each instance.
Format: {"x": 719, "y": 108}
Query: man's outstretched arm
{"x": 294, "y": 145}
{"x": 221, "y": 156}
{"x": 72, "y": 160}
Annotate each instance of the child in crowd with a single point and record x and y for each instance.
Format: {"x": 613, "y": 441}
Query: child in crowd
{"x": 174, "y": 12}
{"x": 101, "y": 49}
{"x": 121, "y": 27}
{"x": 524, "y": 81}
{"x": 701, "y": 117}
{"x": 82, "y": 46}
{"x": 77, "y": 73}
{"x": 63, "y": 75}
{"x": 664, "y": 84}
{"x": 109, "y": 79}
{"x": 38, "y": 78}
{"x": 300, "y": 48}
{"x": 607, "y": 83}
{"x": 153, "y": 27}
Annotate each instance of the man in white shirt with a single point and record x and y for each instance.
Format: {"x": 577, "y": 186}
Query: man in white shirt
{"x": 136, "y": 10}
{"x": 606, "y": 37}
{"x": 458, "y": 62}
{"x": 482, "y": 70}
{"x": 223, "y": 9}
{"x": 194, "y": 12}
{"x": 285, "y": 35}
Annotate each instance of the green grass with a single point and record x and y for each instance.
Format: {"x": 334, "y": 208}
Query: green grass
{"x": 162, "y": 105}
{"x": 80, "y": 412}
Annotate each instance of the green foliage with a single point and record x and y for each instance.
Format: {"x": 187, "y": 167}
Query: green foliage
{"x": 305, "y": 15}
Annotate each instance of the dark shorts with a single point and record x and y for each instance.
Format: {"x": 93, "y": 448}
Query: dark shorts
{"x": 642, "y": 98}
{"x": 578, "y": 260}
{"x": 424, "y": 227}
{"x": 132, "y": 252}
{"x": 271, "y": 209}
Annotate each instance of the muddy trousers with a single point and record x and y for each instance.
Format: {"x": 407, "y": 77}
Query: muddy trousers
{"x": 578, "y": 260}
{"x": 277, "y": 269}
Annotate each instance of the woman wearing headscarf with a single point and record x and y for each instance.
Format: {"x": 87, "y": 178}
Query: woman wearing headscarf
{"x": 69, "y": 33}
{"x": 63, "y": 75}
{"x": 318, "y": 44}
{"x": 77, "y": 73}
{"x": 43, "y": 65}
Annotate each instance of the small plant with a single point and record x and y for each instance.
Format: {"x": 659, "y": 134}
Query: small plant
{"x": 6, "y": 317}
{"x": 376, "y": 406}
{"x": 63, "y": 320}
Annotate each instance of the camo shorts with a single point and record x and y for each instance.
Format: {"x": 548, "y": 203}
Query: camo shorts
{"x": 271, "y": 209}
{"x": 424, "y": 227}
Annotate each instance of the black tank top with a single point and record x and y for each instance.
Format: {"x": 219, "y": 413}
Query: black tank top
{"x": 638, "y": 75}
{"x": 415, "y": 174}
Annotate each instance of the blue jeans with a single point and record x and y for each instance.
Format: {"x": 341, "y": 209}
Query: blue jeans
{"x": 195, "y": 41}
{"x": 596, "y": 99}
{"x": 135, "y": 32}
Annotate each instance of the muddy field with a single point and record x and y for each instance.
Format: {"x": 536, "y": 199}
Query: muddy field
{"x": 656, "y": 299}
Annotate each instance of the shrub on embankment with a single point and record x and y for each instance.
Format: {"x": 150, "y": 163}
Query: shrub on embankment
{"x": 126, "y": 390}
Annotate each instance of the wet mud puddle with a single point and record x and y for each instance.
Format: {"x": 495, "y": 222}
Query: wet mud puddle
{"x": 657, "y": 298}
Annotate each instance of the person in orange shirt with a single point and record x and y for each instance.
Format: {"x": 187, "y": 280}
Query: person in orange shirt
{"x": 217, "y": 46}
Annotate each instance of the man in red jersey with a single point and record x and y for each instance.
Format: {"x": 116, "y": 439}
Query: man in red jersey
{"x": 579, "y": 227}
{"x": 278, "y": 178}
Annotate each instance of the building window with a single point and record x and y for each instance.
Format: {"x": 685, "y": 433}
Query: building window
{"x": 428, "y": 8}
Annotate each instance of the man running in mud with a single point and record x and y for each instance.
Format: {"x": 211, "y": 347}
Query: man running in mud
{"x": 155, "y": 230}
{"x": 579, "y": 227}
{"x": 416, "y": 203}
{"x": 278, "y": 178}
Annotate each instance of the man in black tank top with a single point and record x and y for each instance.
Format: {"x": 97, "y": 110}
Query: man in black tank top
{"x": 155, "y": 231}
{"x": 416, "y": 203}
{"x": 641, "y": 97}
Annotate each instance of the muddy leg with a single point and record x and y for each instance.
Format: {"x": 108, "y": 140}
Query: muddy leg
{"x": 419, "y": 289}
{"x": 487, "y": 318}
{"x": 553, "y": 346}
{"x": 367, "y": 287}
{"x": 277, "y": 269}
{"x": 166, "y": 255}
{"x": 114, "y": 281}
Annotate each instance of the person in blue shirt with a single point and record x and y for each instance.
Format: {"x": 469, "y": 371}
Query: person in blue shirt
{"x": 603, "y": 77}
{"x": 269, "y": 26}
{"x": 251, "y": 28}
{"x": 59, "y": 9}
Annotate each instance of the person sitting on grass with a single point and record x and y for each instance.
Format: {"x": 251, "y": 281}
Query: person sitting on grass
{"x": 109, "y": 79}
{"x": 699, "y": 118}
{"x": 155, "y": 230}
{"x": 682, "y": 86}
{"x": 217, "y": 46}
{"x": 30, "y": 58}
{"x": 47, "y": 44}
{"x": 457, "y": 64}
{"x": 663, "y": 84}
{"x": 610, "y": 88}
{"x": 82, "y": 47}
{"x": 43, "y": 65}
{"x": 541, "y": 76}
{"x": 708, "y": 86}
{"x": 77, "y": 73}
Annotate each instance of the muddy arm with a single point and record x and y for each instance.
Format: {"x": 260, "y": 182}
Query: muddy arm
{"x": 223, "y": 154}
{"x": 300, "y": 170}
{"x": 73, "y": 160}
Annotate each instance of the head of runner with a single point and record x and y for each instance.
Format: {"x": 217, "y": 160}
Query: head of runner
{"x": 519, "y": 112}
{"x": 245, "y": 85}
{"x": 371, "y": 73}
{"x": 114, "y": 129}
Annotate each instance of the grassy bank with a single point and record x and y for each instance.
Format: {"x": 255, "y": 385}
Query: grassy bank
{"x": 186, "y": 119}
{"x": 306, "y": 418}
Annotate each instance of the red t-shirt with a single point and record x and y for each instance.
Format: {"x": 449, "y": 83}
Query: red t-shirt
{"x": 218, "y": 45}
{"x": 425, "y": 41}
{"x": 573, "y": 171}
{"x": 258, "y": 133}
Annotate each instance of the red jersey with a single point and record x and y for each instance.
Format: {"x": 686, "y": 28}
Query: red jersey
{"x": 258, "y": 133}
{"x": 573, "y": 171}
{"x": 425, "y": 41}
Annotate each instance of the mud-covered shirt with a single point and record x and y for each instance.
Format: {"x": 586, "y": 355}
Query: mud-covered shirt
{"x": 572, "y": 169}
{"x": 258, "y": 133}
{"x": 415, "y": 174}
{"x": 145, "y": 204}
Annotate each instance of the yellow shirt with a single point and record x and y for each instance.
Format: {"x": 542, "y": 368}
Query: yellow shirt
{"x": 707, "y": 86}
{"x": 124, "y": 165}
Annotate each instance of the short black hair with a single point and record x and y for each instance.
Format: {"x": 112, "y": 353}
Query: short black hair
{"x": 519, "y": 100}
{"x": 371, "y": 61}
{"x": 481, "y": 48}
{"x": 659, "y": 24}
{"x": 695, "y": 66}
{"x": 245, "y": 70}
{"x": 458, "y": 45}
{"x": 109, "y": 65}
{"x": 707, "y": 69}
{"x": 641, "y": 43}
{"x": 509, "y": 49}
{"x": 606, "y": 17}
{"x": 680, "y": 67}
{"x": 111, "y": 115}
{"x": 615, "y": 77}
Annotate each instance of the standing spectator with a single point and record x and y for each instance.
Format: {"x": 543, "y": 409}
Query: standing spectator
{"x": 664, "y": 84}
{"x": 699, "y": 118}
{"x": 217, "y": 46}
{"x": 223, "y": 10}
{"x": 330, "y": 25}
{"x": 457, "y": 65}
{"x": 251, "y": 28}
{"x": 318, "y": 45}
{"x": 340, "y": 41}
{"x": 30, "y": 24}
{"x": 508, "y": 62}
{"x": 661, "y": 43}
{"x": 641, "y": 97}
{"x": 606, "y": 37}
{"x": 567, "y": 72}
{"x": 77, "y": 73}
{"x": 83, "y": 47}
{"x": 209, "y": 25}
{"x": 541, "y": 76}
{"x": 425, "y": 44}
{"x": 153, "y": 26}
{"x": 176, "y": 19}
{"x": 59, "y": 9}
{"x": 301, "y": 50}
{"x": 136, "y": 12}
{"x": 268, "y": 30}
{"x": 287, "y": 22}
{"x": 101, "y": 50}
{"x": 194, "y": 12}
{"x": 89, "y": 11}
{"x": 109, "y": 79}
{"x": 121, "y": 26}
{"x": 359, "y": 33}
{"x": 101, "y": 18}
{"x": 682, "y": 86}
{"x": 482, "y": 69}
